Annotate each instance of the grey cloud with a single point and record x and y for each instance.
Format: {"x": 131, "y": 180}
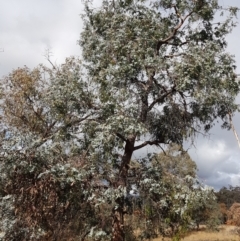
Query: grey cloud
{"x": 28, "y": 28}
{"x": 230, "y": 166}
{"x": 217, "y": 160}
{"x": 218, "y": 180}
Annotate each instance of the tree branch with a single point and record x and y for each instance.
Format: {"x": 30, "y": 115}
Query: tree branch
{"x": 48, "y": 55}
{"x": 175, "y": 30}
{"x": 156, "y": 142}
{"x": 121, "y": 137}
{"x": 159, "y": 85}
{"x": 79, "y": 120}
{"x": 160, "y": 99}
{"x": 48, "y": 136}
{"x": 48, "y": 129}
{"x": 233, "y": 128}
{"x": 174, "y": 55}
{"x": 184, "y": 101}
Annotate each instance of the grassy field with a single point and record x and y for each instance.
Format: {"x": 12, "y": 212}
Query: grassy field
{"x": 226, "y": 233}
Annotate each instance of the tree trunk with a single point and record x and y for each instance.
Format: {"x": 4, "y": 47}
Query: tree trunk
{"x": 118, "y": 221}
{"x": 119, "y": 210}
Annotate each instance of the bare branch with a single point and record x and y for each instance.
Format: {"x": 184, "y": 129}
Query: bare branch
{"x": 156, "y": 142}
{"x": 233, "y": 128}
{"x": 48, "y": 55}
{"x": 163, "y": 150}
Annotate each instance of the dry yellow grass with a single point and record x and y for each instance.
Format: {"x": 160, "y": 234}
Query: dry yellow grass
{"x": 226, "y": 233}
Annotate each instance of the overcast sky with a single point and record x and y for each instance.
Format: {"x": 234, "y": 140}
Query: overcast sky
{"x": 29, "y": 27}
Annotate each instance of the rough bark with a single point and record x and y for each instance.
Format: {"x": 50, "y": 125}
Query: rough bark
{"x": 118, "y": 221}
{"x": 118, "y": 211}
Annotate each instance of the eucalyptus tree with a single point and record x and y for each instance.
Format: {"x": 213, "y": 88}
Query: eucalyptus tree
{"x": 173, "y": 200}
{"x": 163, "y": 73}
{"x": 45, "y": 178}
{"x": 176, "y": 161}
{"x": 155, "y": 72}
{"x": 173, "y": 205}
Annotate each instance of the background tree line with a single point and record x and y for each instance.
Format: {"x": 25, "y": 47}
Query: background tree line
{"x": 228, "y": 195}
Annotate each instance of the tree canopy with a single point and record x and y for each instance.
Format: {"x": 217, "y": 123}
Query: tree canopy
{"x": 229, "y": 195}
{"x": 151, "y": 73}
